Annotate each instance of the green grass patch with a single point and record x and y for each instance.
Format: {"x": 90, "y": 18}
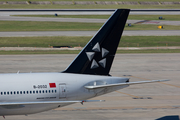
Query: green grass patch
{"x": 43, "y": 41}
{"x": 9, "y": 6}
{"x": 131, "y": 17}
{"x": 77, "y": 51}
{"x": 149, "y": 41}
{"x": 126, "y": 41}
{"x": 46, "y": 26}
{"x": 16, "y": 52}
{"x": 70, "y": 26}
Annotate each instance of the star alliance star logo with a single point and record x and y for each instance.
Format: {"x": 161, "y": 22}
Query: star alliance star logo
{"x": 90, "y": 56}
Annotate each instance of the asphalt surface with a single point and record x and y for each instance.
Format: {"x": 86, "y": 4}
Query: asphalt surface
{"x": 89, "y": 33}
{"x": 83, "y": 20}
{"x": 137, "y": 102}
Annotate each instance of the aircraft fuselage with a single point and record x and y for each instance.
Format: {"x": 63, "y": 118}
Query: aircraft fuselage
{"x": 29, "y": 87}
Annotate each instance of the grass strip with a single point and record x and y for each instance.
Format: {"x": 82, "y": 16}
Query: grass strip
{"x": 43, "y": 41}
{"x": 70, "y": 26}
{"x": 75, "y": 41}
{"x": 149, "y": 41}
{"x": 39, "y": 52}
{"x": 96, "y": 6}
{"x": 77, "y": 51}
{"x": 47, "y": 26}
{"x": 131, "y": 17}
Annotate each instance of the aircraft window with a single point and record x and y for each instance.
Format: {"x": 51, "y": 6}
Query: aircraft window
{"x": 43, "y": 91}
{"x": 46, "y": 91}
{"x": 52, "y": 91}
{"x": 33, "y": 92}
{"x": 20, "y": 92}
{"x": 24, "y": 92}
{"x": 14, "y": 92}
{"x": 49, "y": 91}
{"x": 30, "y": 92}
{"x": 4, "y": 93}
{"x": 55, "y": 91}
{"x": 36, "y": 91}
{"x": 1, "y": 93}
{"x": 8, "y": 93}
{"x": 17, "y": 92}
{"x": 11, "y": 92}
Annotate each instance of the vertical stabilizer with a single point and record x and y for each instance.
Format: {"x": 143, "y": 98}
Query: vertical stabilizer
{"x": 97, "y": 56}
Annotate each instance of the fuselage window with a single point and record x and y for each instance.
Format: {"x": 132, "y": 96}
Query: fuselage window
{"x": 52, "y": 91}
{"x": 17, "y": 92}
{"x": 39, "y": 91}
{"x": 14, "y": 92}
{"x": 33, "y": 92}
{"x": 36, "y": 91}
{"x": 27, "y": 92}
{"x": 43, "y": 91}
{"x": 46, "y": 91}
{"x": 8, "y": 93}
{"x": 4, "y": 93}
{"x": 55, "y": 91}
{"x": 20, "y": 92}
{"x": 30, "y": 92}
{"x": 1, "y": 93}
{"x": 11, "y": 92}
{"x": 49, "y": 91}
{"x": 24, "y": 92}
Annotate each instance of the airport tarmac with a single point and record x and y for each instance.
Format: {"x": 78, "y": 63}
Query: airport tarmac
{"x": 83, "y": 20}
{"x": 137, "y": 102}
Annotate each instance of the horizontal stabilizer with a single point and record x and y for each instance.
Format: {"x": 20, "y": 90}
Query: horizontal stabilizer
{"x": 121, "y": 84}
{"x": 48, "y": 102}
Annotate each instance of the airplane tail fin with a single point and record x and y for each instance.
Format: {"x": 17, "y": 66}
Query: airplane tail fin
{"x": 97, "y": 56}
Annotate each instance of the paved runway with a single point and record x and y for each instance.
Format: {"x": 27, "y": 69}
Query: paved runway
{"x": 82, "y": 20}
{"x": 89, "y": 33}
{"x": 156, "y": 100}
